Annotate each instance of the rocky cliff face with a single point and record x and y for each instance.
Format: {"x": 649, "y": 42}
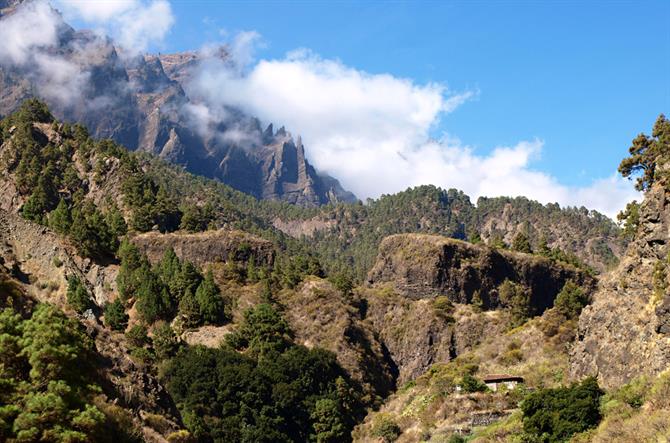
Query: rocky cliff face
{"x": 207, "y": 247}
{"x": 624, "y": 333}
{"x": 421, "y": 266}
{"x": 422, "y": 287}
{"x": 140, "y": 102}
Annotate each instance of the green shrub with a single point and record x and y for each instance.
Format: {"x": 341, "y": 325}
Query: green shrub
{"x": 471, "y": 384}
{"x": 571, "y": 300}
{"x": 386, "y": 428}
{"x": 554, "y": 415}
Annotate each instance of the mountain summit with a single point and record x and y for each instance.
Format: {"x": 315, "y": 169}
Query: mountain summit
{"x": 143, "y": 102}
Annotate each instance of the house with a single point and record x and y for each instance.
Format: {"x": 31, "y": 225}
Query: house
{"x": 496, "y": 381}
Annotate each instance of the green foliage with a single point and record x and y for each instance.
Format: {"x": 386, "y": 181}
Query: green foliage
{"x": 46, "y": 382}
{"x": 497, "y": 242}
{"x": 151, "y": 204}
{"x": 344, "y": 282}
{"x": 516, "y": 299}
{"x": 78, "y": 297}
{"x": 288, "y": 393}
{"x": 647, "y": 154}
{"x": 90, "y": 231}
{"x": 137, "y": 336}
{"x": 386, "y": 429}
{"x": 630, "y": 218}
{"x": 171, "y": 286}
{"x": 521, "y": 243}
{"x": 153, "y": 299}
{"x": 471, "y": 384}
{"x": 262, "y": 330}
{"x": 115, "y": 315}
{"x": 554, "y": 415}
{"x": 328, "y": 423}
{"x": 210, "y": 302}
{"x": 443, "y": 308}
{"x": 60, "y": 218}
{"x": 196, "y": 218}
{"x": 571, "y": 300}
{"x": 164, "y": 341}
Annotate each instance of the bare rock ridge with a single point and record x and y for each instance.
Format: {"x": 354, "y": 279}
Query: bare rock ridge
{"x": 143, "y": 102}
{"x": 207, "y": 247}
{"x": 424, "y": 266}
{"x": 624, "y": 333}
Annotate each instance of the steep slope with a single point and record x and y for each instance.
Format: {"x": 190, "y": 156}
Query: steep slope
{"x": 624, "y": 334}
{"x": 424, "y": 290}
{"x": 132, "y": 100}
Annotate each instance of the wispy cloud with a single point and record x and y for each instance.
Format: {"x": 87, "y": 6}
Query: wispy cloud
{"x": 372, "y": 131}
{"x": 24, "y": 47}
{"x": 135, "y": 25}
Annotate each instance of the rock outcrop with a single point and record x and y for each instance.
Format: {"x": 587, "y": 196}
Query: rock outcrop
{"x": 624, "y": 333}
{"x": 421, "y": 266}
{"x": 207, "y": 247}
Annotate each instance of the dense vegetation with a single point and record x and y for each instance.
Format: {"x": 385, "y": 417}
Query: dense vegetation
{"x": 48, "y": 390}
{"x": 271, "y": 391}
{"x": 554, "y": 415}
{"x": 649, "y": 156}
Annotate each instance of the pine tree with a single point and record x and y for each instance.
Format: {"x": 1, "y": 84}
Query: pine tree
{"x": 60, "y": 219}
{"x": 521, "y": 243}
{"x": 115, "y": 315}
{"x": 189, "y": 309}
{"x": 209, "y": 300}
{"x": 77, "y": 295}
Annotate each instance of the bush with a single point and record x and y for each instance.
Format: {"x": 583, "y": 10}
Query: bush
{"x": 471, "y": 384}
{"x": 137, "y": 336}
{"x": 571, "y": 300}
{"x": 386, "y": 428}
{"x": 554, "y": 415}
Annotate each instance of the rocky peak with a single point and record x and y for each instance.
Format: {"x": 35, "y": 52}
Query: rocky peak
{"x": 142, "y": 103}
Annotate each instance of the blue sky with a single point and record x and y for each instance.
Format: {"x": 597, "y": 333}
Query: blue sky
{"x": 492, "y": 97}
{"x": 585, "y": 77}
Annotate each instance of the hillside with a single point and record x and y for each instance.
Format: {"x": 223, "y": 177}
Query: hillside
{"x": 186, "y": 287}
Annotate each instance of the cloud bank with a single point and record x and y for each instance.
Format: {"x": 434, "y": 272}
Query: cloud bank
{"x": 135, "y": 25}
{"x": 23, "y": 48}
{"x": 372, "y": 131}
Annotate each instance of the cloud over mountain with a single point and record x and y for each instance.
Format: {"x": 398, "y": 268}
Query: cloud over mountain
{"x": 372, "y": 131}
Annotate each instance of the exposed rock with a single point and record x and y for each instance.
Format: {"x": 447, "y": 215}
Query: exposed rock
{"x": 144, "y": 103}
{"x": 207, "y": 247}
{"x": 623, "y": 334}
{"x": 420, "y": 266}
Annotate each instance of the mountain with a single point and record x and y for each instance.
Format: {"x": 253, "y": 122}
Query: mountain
{"x": 142, "y": 103}
{"x": 207, "y": 314}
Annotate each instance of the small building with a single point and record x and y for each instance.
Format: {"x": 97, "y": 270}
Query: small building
{"x": 495, "y": 381}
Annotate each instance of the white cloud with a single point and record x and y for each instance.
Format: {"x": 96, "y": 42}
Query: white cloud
{"x": 55, "y": 77}
{"x": 134, "y": 24}
{"x": 371, "y": 131}
{"x": 18, "y": 32}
